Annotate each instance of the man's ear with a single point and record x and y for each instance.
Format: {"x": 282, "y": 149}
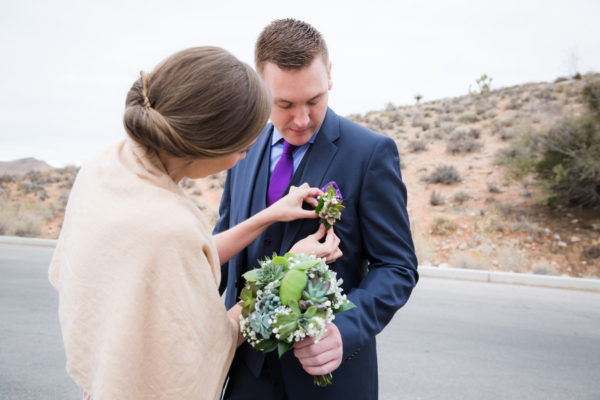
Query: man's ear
{"x": 329, "y": 81}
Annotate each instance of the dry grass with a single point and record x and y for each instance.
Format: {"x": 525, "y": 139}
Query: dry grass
{"x": 27, "y": 218}
{"x": 471, "y": 259}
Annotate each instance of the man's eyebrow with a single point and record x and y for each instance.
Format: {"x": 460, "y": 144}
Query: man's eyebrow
{"x": 280, "y": 100}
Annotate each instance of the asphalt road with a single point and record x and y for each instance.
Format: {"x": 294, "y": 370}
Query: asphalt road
{"x": 453, "y": 340}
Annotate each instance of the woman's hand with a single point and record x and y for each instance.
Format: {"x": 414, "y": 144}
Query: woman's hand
{"x": 235, "y": 313}
{"x": 289, "y": 207}
{"x": 311, "y": 244}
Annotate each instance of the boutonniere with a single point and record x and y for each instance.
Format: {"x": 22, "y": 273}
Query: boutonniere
{"x": 330, "y": 205}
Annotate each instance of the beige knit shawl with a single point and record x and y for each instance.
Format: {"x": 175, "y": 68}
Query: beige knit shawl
{"x": 137, "y": 273}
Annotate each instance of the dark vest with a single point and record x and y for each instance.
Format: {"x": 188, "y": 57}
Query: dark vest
{"x": 270, "y": 240}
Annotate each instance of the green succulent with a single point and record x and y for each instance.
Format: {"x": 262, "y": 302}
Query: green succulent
{"x": 270, "y": 272}
{"x": 259, "y": 322}
{"x": 315, "y": 294}
{"x": 248, "y": 296}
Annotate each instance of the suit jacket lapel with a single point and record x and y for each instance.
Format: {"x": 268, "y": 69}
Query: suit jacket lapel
{"x": 249, "y": 177}
{"x": 319, "y": 157}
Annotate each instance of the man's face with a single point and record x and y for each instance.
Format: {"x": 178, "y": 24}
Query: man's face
{"x": 299, "y": 99}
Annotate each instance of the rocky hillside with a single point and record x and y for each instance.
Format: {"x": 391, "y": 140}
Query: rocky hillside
{"x": 22, "y": 166}
{"x": 465, "y": 209}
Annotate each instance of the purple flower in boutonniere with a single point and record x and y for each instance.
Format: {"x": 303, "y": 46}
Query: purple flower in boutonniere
{"x": 330, "y": 205}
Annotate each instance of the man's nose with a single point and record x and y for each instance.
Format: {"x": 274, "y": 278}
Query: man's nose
{"x": 301, "y": 117}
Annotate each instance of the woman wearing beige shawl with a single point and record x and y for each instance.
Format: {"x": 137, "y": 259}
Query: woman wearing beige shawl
{"x": 136, "y": 267}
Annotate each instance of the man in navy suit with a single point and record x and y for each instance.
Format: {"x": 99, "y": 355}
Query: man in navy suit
{"x": 377, "y": 261}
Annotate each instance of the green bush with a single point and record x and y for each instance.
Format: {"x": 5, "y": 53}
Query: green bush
{"x": 570, "y": 162}
{"x": 591, "y": 96}
{"x": 566, "y": 158}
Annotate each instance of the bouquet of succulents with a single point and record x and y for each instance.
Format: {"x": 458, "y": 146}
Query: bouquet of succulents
{"x": 288, "y": 299}
{"x": 330, "y": 205}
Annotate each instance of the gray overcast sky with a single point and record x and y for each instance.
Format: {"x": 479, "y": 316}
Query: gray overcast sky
{"x": 67, "y": 65}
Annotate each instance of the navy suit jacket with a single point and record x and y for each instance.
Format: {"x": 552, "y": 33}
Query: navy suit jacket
{"x": 378, "y": 266}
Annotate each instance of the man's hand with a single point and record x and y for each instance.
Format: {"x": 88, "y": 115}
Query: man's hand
{"x": 311, "y": 244}
{"x": 323, "y": 357}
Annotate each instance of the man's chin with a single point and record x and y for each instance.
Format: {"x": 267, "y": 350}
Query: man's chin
{"x": 298, "y": 138}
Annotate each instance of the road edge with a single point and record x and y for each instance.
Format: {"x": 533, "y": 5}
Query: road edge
{"x": 561, "y": 282}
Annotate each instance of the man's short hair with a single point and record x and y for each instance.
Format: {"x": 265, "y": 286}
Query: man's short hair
{"x": 289, "y": 44}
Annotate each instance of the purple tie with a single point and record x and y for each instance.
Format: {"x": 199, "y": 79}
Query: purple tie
{"x": 281, "y": 174}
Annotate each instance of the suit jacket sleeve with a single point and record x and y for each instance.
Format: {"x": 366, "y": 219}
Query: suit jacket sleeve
{"x": 387, "y": 241}
{"x": 223, "y": 224}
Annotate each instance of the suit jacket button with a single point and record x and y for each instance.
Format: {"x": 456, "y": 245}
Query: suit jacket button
{"x": 267, "y": 241}
{"x": 235, "y": 284}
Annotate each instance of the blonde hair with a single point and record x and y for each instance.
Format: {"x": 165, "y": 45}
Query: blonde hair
{"x": 198, "y": 103}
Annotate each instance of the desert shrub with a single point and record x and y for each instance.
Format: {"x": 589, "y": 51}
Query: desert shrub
{"x": 514, "y": 104}
{"x": 461, "y": 196}
{"x": 38, "y": 177}
{"x": 26, "y": 218}
{"x": 494, "y": 218}
{"x": 28, "y": 187}
{"x": 444, "y": 174}
{"x": 417, "y": 121}
{"x": 511, "y": 259}
{"x": 543, "y": 268}
{"x": 493, "y": 187}
{"x": 6, "y": 179}
{"x": 395, "y": 117}
{"x": 442, "y": 225}
{"x": 569, "y": 162}
{"x": 470, "y": 260}
{"x": 463, "y": 141}
{"x": 424, "y": 249}
{"x": 418, "y": 145}
{"x": 507, "y": 134}
{"x": 436, "y": 134}
{"x": 591, "y": 96}
{"x": 525, "y": 225}
{"x": 512, "y": 157}
{"x": 467, "y": 119}
{"x": 356, "y": 118}
{"x": 592, "y": 252}
{"x": 436, "y": 199}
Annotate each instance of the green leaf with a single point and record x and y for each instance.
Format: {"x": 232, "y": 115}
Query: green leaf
{"x": 292, "y": 285}
{"x": 312, "y": 310}
{"x": 278, "y": 260}
{"x": 247, "y": 295}
{"x": 287, "y": 325}
{"x": 267, "y": 345}
{"x": 306, "y": 264}
{"x": 345, "y": 307}
{"x": 293, "y": 304}
{"x": 251, "y": 276}
{"x": 320, "y": 205}
{"x": 282, "y": 347}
